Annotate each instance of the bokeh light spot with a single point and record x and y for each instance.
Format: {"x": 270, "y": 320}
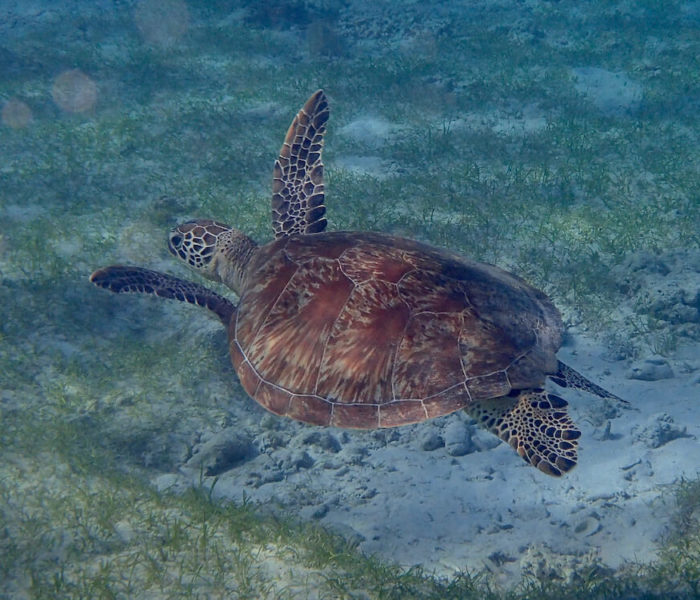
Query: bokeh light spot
{"x": 16, "y": 114}
{"x": 74, "y": 91}
{"x": 162, "y": 22}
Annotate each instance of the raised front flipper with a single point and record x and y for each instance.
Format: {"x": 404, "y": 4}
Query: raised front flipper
{"x": 123, "y": 279}
{"x": 536, "y": 424}
{"x": 297, "y": 187}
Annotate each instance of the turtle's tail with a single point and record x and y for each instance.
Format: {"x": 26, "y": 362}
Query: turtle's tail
{"x": 570, "y": 378}
{"x": 121, "y": 279}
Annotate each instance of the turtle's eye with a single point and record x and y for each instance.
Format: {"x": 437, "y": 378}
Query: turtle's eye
{"x": 174, "y": 243}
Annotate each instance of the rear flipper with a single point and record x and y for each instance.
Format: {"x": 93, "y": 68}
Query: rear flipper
{"x": 120, "y": 279}
{"x": 536, "y": 424}
{"x": 569, "y": 378}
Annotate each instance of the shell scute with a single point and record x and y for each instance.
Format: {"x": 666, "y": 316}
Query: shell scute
{"x": 359, "y": 356}
{"x": 289, "y": 346}
{"x": 484, "y": 347}
{"x": 428, "y": 359}
{"x": 426, "y": 290}
{"x": 305, "y": 247}
{"x": 261, "y": 294}
{"x": 364, "y": 262}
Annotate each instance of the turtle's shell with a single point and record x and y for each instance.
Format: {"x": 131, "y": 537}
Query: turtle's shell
{"x": 365, "y": 330}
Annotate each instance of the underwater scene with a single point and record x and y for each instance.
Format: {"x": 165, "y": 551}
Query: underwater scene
{"x": 522, "y": 184}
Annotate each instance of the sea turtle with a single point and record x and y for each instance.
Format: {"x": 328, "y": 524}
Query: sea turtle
{"x": 366, "y": 330}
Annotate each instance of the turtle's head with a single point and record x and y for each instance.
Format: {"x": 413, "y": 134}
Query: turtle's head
{"x": 216, "y": 251}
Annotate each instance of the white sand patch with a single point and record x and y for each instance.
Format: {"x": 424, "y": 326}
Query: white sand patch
{"x": 369, "y": 130}
{"x": 525, "y": 120}
{"x": 365, "y": 165}
{"x": 612, "y": 93}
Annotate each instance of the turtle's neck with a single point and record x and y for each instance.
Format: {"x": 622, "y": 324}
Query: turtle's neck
{"x": 235, "y": 249}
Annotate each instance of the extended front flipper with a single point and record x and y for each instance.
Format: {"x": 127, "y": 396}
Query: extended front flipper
{"x": 123, "y": 279}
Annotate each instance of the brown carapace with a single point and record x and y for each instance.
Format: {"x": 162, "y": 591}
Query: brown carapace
{"x": 366, "y": 330}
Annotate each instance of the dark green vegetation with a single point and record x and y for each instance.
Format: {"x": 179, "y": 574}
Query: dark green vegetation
{"x": 87, "y": 382}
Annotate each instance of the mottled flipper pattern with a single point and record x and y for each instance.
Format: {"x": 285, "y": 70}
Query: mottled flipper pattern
{"x": 536, "y": 424}
{"x": 123, "y": 279}
{"x": 297, "y": 186}
{"x": 567, "y": 377}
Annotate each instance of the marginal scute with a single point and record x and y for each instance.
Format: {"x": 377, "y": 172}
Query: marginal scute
{"x": 273, "y": 398}
{"x": 355, "y": 416}
{"x": 237, "y": 357}
{"x": 402, "y": 412}
{"x": 249, "y": 377}
{"x": 492, "y": 385}
{"x": 310, "y": 409}
{"x": 529, "y": 370}
{"x": 447, "y": 402}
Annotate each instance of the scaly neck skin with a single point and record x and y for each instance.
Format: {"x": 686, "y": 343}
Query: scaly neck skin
{"x": 233, "y": 253}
